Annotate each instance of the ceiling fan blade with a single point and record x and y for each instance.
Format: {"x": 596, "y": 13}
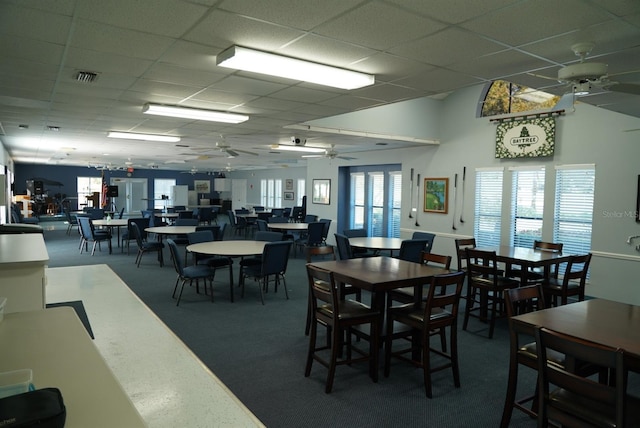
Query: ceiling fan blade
{"x": 540, "y": 76}
{"x": 246, "y": 152}
{"x": 345, "y": 157}
{"x": 627, "y": 88}
{"x": 232, "y": 153}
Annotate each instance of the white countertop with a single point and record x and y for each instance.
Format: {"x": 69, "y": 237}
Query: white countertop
{"x": 167, "y": 383}
{"x": 23, "y": 248}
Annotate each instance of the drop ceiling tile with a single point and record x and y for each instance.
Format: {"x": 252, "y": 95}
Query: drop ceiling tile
{"x": 362, "y": 26}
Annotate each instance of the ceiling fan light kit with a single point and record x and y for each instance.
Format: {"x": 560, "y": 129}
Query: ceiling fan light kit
{"x": 193, "y": 113}
{"x": 246, "y": 59}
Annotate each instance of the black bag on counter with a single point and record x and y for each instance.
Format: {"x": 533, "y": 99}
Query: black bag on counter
{"x": 42, "y": 408}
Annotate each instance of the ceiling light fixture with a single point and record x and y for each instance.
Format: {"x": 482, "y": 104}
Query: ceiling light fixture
{"x": 276, "y": 65}
{"x": 144, "y": 137}
{"x": 305, "y": 149}
{"x": 193, "y": 113}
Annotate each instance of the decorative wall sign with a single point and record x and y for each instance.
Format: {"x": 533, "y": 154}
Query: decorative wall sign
{"x": 321, "y": 191}
{"x": 436, "y": 195}
{"x": 526, "y": 138}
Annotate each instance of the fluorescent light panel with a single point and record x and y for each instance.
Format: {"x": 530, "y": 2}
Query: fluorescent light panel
{"x": 193, "y": 113}
{"x": 304, "y": 149}
{"x": 276, "y": 65}
{"x": 143, "y": 137}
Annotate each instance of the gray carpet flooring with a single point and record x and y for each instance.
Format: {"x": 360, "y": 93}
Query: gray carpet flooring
{"x": 259, "y": 353}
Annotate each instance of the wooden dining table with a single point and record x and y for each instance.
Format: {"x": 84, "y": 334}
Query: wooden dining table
{"x": 527, "y": 258}
{"x": 381, "y": 274}
{"x": 600, "y": 321}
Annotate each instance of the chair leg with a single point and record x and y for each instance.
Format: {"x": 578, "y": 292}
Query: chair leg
{"x": 512, "y": 385}
{"x": 312, "y": 347}
{"x": 182, "y": 289}
{"x": 231, "y": 282}
{"x": 335, "y": 347}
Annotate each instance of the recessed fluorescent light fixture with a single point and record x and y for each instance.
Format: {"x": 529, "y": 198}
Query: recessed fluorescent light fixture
{"x": 144, "y": 137}
{"x": 193, "y": 113}
{"x": 305, "y": 149}
{"x": 276, "y": 65}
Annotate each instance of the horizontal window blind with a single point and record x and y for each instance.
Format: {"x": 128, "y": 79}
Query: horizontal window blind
{"x": 488, "y": 207}
{"x": 527, "y": 206}
{"x": 574, "y": 208}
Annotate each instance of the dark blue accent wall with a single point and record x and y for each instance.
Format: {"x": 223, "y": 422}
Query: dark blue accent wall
{"x": 67, "y": 175}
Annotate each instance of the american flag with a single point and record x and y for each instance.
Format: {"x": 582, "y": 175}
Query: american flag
{"x": 103, "y": 194}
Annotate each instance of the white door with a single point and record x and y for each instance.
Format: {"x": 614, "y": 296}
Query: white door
{"x": 132, "y": 195}
{"x": 238, "y": 193}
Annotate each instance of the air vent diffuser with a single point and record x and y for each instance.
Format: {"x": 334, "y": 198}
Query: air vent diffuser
{"x": 86, "y": 76}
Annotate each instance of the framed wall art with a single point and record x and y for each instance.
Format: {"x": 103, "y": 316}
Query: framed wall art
{"x": 288, "y": 196}
{"x": 202, "y": 186}
{"x": 288, "y": 184}
{"x": 321, "y": 191}
{"x": 436, "y": 195}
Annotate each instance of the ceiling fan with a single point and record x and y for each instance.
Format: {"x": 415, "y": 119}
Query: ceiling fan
{"x": 584, "y": 76}
{"x": 330, "y": 153}
{"x": 224, "y": 147}
{"x": 192, "y": 171}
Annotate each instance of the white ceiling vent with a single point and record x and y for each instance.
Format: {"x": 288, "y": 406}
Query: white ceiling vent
{"x": 86, "y": 76}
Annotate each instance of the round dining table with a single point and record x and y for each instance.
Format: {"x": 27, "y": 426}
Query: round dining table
{"x": 111, "y": 223}
{"x": 288, "y": 226}
{"x": 170, "y": 230}
{"x": 232, "y": 248}
{"x": 377, "y": 243}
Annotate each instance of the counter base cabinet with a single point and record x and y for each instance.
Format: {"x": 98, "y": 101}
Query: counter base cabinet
{"x": 23, "y": 258}
{"x": 23, "y": 286}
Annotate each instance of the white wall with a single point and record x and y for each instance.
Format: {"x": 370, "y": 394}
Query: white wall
{"x": 586, "y": 135}
{"x": 253, "y": 181}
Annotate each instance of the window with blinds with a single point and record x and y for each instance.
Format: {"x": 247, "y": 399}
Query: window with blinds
{"x": 375, "y": 202}
{"x": 395, "y": 196}
{"x": 376, "y": 214}
{"x": 573, "y": 217}
{"x": 302, "y": 190}
{"x": 488, "y": 207}
{"x": 271, "y": 193}
{"x": 356, "y": 220}
{"x": 527, "y": 205}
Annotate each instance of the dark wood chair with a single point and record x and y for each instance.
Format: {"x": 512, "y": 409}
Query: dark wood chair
{"x": 407, "y": 294}
{"x": 485, "y": 288}
{"x": 461, "y": 251}
{"x": 578, "y": 401}
{"x": 572, "y": 283}
{"x": 338, "y": 316}
{"x": 438, "y": 312}
{"x": 521, "y": 301}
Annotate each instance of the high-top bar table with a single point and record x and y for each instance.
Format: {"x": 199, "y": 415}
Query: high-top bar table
{"x": 599, "y": 321}
{"x": 527, "y": 258}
